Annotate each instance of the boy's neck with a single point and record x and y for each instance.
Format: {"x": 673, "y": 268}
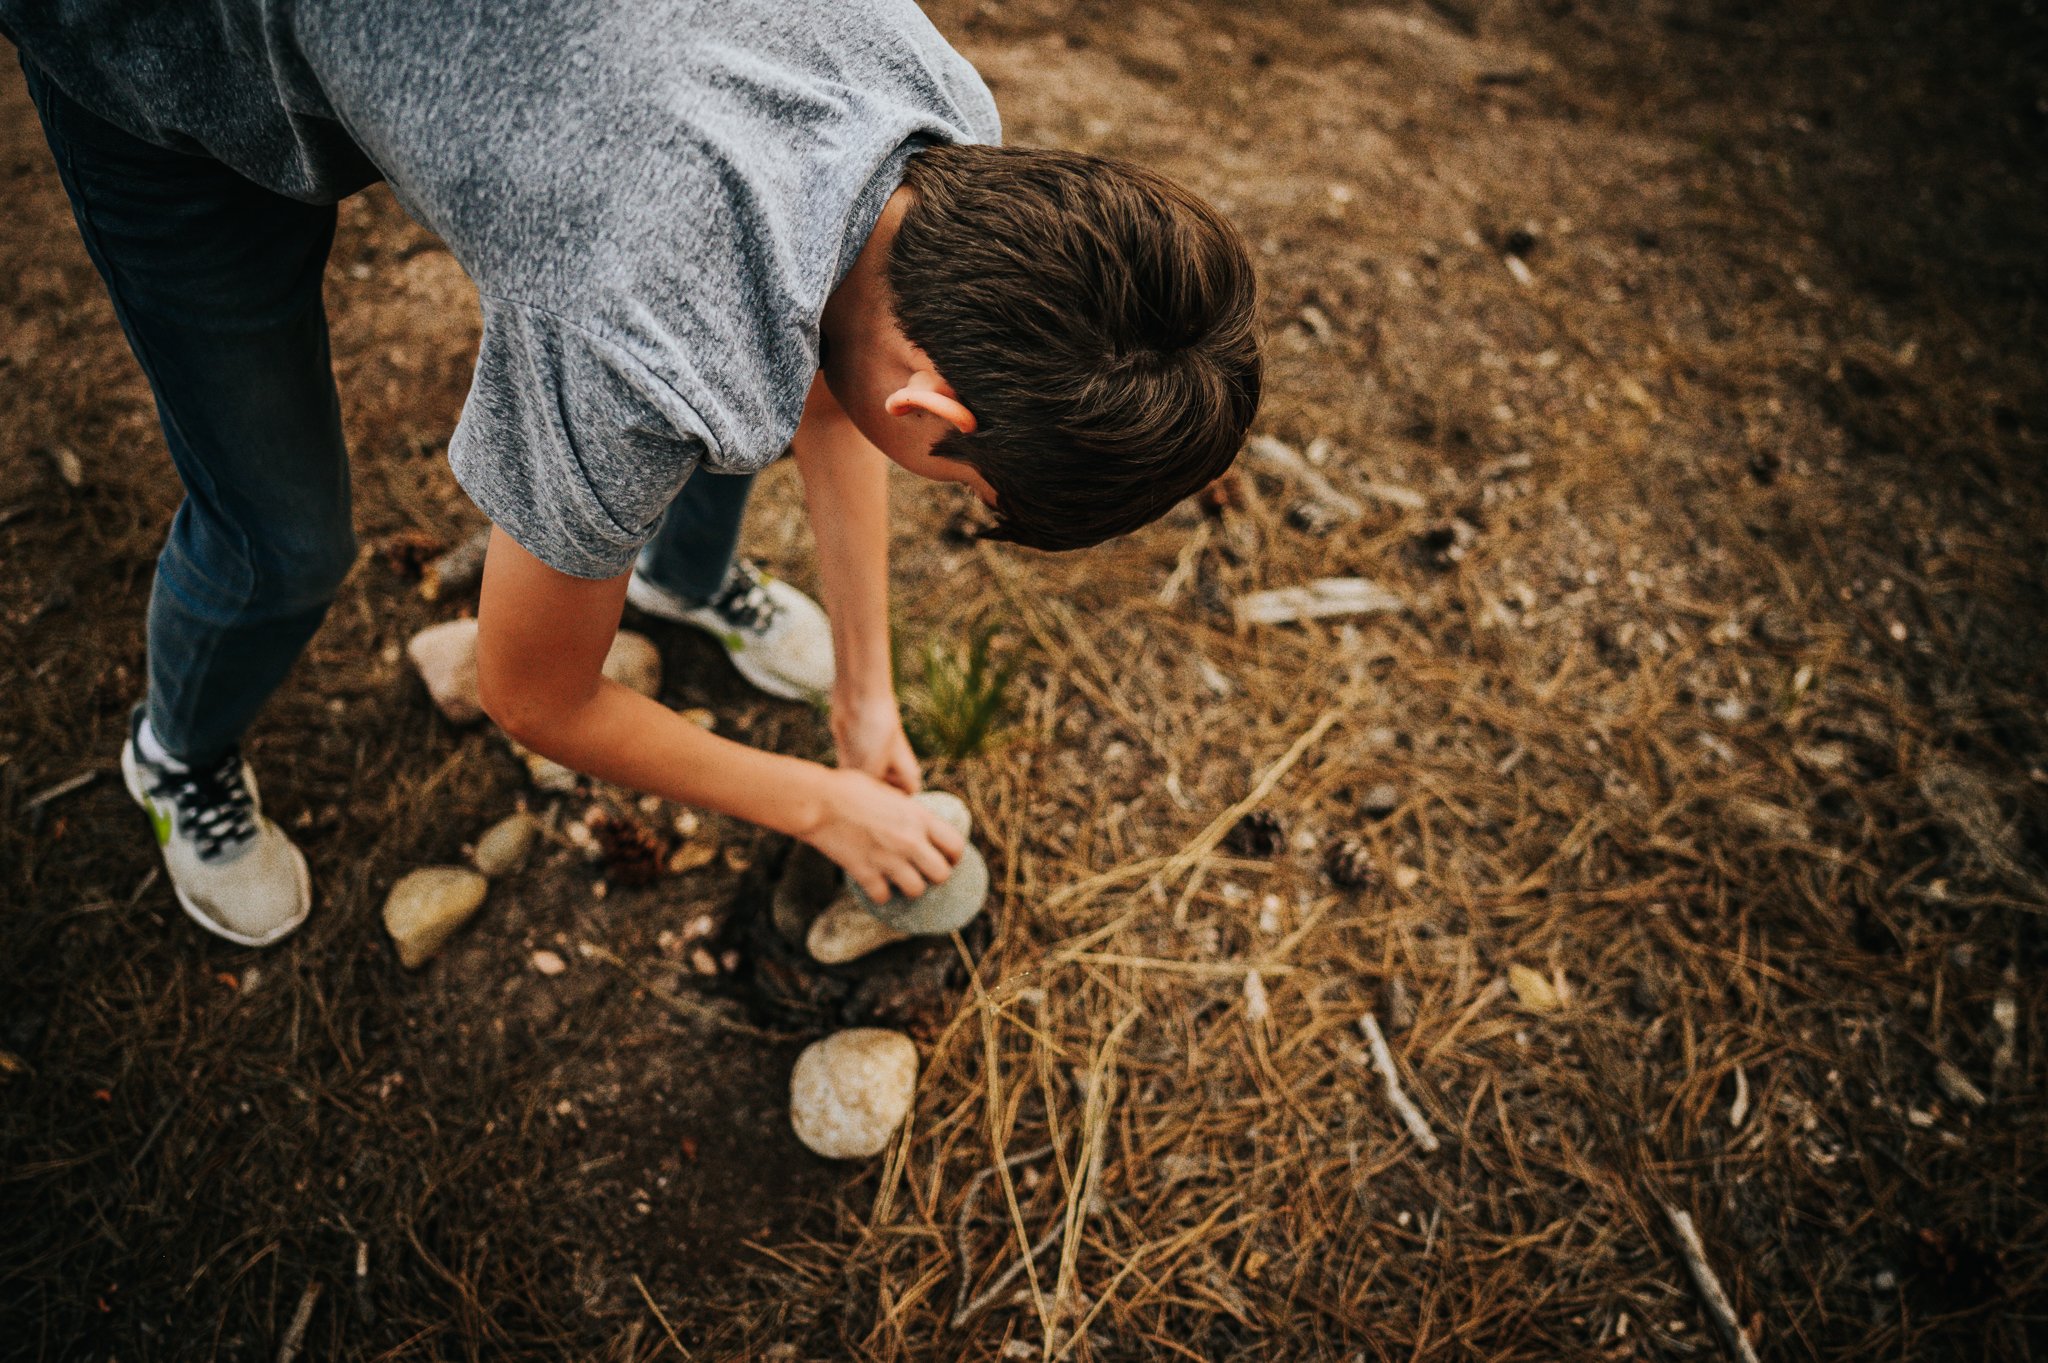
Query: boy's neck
{"x": 859, "y": 303}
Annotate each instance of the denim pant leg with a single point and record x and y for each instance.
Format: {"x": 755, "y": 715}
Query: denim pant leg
{"x": 216, "y": 282}
{"x": 693, "y": 550}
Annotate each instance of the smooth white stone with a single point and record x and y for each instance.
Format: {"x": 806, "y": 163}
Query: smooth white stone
{"x": 850, "y": 1091}
{"x": 426, "y": 906}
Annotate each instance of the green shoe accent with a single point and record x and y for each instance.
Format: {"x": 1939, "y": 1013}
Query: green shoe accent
{"x": 160, "y": 820}
{"x": 732, "y": 640}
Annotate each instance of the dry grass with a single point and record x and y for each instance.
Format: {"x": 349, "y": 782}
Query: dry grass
{"x": 1713, "y": 877}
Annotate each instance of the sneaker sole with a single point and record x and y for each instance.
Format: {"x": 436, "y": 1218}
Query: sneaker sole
{"x": 648, "y": 599}
{"x": 131, "y": 776}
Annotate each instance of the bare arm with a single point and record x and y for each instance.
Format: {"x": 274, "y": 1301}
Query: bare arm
{"x": 541, "y": 640}
{"x": 846, "y": 492}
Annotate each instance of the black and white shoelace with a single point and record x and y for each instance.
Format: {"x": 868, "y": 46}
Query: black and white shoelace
{"x": 744, "y": 601}
{"x": 215, "y": 807}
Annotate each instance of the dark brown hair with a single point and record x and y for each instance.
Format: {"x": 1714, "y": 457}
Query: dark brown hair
{"x": 1096, "y": 318}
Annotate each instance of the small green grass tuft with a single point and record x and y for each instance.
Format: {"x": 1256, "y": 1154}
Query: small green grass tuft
{"x": 961, "y": 699}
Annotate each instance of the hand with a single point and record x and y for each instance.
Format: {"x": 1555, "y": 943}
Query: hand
{"x": 870, "y": 739}
{"x": 886, "y": 842}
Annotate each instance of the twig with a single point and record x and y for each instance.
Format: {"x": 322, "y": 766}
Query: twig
{"x": 1008, "y": 1276}
{"x": 960, "y": 1223}
{"x": 1383, "y": 1061}
{"x": 59, "y": 791}
{"x": 1718, "y": 1307}
{"x": 1220, "y": 826}
{"x": 295, "y": 1333}
{"x": 666, "y": 1328}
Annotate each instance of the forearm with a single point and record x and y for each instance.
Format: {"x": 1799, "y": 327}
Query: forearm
{"x": 620, "y": 736}
{"x": 846, "y": 492}
{"x": 541, "y": 642}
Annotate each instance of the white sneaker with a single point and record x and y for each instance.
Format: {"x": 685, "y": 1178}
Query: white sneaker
{"x": 778, "y": 638}
{"x": 235, "y": 872}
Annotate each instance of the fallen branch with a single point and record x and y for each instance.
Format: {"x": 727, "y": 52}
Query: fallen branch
{"x": 1718, "y": 1307}
{"x": 1383, "y": 1061}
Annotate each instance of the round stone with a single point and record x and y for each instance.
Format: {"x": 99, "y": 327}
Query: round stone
{"x": 504, "y": 846}
{"x": 426, "y": 906}
{"x": 634, "y": 662}
{"x": 851, "y": 1090}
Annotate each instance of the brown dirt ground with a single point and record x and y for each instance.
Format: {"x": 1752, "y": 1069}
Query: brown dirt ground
{"x": 1717, "y": 705}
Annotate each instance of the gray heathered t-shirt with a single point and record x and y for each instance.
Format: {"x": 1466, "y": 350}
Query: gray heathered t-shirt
{"x": 654, "y": 198}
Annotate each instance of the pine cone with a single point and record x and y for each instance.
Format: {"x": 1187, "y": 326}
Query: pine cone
{"x": 630, "y": 852}
{"x": 1349, "y": 863}
{"x": 1257, "y": 834}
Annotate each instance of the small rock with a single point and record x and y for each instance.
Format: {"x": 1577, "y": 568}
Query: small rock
{"x": 634, "y": 662}
{"x": 691, "y": 856}
{"x": 549, "y": 963}
{"x": 547, "y": 774}
{"x": 703, "y": 962}
{"x": 1407, "y": 877}
{"x": 700, "y": 717}
{"x": 1534, "y": 992}
{"x": 425, "y": 908}
{"x": 846, "y": 932}
{"x": 851, "y": 1090}
{"x": 1382, "y": 800}
{"x": 445, "y": 656}
{"x": 504, "y": 846}
{"x": 70, "y": 469}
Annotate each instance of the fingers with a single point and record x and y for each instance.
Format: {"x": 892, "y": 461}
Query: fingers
{"x": 947, "y": 839}
{"x": 932, "y": 864}
{"x": 907, "y": 880}
{"x": 875, "y": 887}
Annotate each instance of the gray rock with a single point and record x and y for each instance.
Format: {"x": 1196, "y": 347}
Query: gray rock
{"x": 943, "y": 908}
{"x": 426, "y": 906}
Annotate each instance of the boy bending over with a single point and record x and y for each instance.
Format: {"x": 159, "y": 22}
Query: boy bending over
{"x": 704, "y": 234}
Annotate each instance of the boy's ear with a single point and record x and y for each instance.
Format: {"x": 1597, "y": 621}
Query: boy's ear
{"x": 926, "y": 391}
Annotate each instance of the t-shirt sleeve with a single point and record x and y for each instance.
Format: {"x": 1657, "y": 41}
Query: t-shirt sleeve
{"x": 570, "y": 446}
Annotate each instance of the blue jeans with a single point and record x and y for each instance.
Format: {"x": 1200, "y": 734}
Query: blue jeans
{"x": 217, "y": 283}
